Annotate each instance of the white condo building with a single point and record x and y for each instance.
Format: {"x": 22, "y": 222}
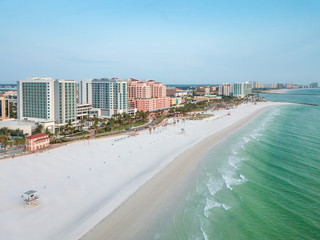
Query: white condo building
{"x": 241, "y": 89}
{"x": 109, "y": 95}
{"x": 225, "y": 89}
{"x": 85, "y": 91}
{"x": 65, "y": 101}
{"x": 36, "y": 99}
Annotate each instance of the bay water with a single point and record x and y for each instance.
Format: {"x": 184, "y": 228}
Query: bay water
{"x": 261, "y": 182}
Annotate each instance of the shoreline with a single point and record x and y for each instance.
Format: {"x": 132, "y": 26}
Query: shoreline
{"x": 128, "y": 220}
{"x": 93, "y": 178}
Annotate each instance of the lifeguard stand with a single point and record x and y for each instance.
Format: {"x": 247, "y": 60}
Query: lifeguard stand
{"x": 30, "y": 197}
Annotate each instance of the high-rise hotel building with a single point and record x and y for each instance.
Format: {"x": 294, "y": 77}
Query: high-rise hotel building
{"x": 46, "y": 99}
{"x": 36, "y": 99}
{"x": 65, "y": 101}
{"x": 110, "y": 95}
{"x": 225, "y": 89}
{"x": 85, "y": 91}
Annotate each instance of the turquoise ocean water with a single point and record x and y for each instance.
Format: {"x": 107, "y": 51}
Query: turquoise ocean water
{"x": 262, "y": 182}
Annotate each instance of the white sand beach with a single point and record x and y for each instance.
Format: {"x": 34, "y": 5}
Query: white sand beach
{"x": 80, "y": 184}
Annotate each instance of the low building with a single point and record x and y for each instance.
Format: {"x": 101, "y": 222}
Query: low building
{"x": 171, "y": 92}
{"x": 27, "y": 127}
{"x": 151, "y": 104}
{"x": 213, "y": 90}
{"x": 183, "y": 93}
{"x": 202, "y": 90}
{"x": 95, "y": 112}
{"x": 176, "y": 101}
{"x": 205, "y": 98}
{"x": 37, "y": 141}
{"x": 83, "y": 111}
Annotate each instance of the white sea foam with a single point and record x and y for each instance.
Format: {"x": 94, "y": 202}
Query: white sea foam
{"x": 156, "y": 236}
{"x": 254, "y": 137}
{"x": 205, "y": 236}
{"x": 225, "y": 207}
{"x": 214, "y": 185}
{"x": 242, "y": 177}
{"x": 234, "y": 161}
{"x": 210, "y": 204}
{"x": 230, "y": 178}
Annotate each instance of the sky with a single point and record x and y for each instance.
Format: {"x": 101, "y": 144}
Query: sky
{"x": 174, "y": 42}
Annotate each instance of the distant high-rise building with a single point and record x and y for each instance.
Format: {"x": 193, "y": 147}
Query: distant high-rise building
{"x": 289, "y": 85}
{"x": 225, "y": 89}
{"x": 85, "y": 91}
{"x": 257, "y": 85}
{"x": 241, "y": 89}
{"x": 280, "y": 86}
{"x": 202, "y": 90}
{"x": 110, "y": 95}
{"x": 4, "y": 108}
{"x": 273, "y": 85}
{"x": 313, "y": 85}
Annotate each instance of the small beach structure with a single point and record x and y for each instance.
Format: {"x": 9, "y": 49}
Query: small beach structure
{"x": 30, "y": 197}
{"x": 37, "y": 141}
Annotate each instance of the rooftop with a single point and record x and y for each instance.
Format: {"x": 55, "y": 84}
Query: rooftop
{"x": 30, "y": 192}
{"x": 37, "y": 135}
{"x": 16, "y": 123}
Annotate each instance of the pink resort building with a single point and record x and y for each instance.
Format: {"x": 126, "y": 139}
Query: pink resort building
{"x": 147, "y": 95}
{"x": 37, "y": 141}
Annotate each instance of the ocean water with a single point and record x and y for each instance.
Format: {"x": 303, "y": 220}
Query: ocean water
{"x": 262, "y": 182}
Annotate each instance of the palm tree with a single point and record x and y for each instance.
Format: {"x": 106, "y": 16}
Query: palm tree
{"x": 120, "y": 120}
{"x": 61, "y": 128}
{"x": 4, "y": 141}
{"x": 55, "y": 137}
{"x": 39, "y": 128}
{"x": 68, "y": 126}
{"x": 111, "y": 123}
{"x": 16, "y": 142}
{"x": 22, "y": 142}
{"x": 82, "y": 121}
{"x": 6, "y": 131}
{"x": 48, "y": 132}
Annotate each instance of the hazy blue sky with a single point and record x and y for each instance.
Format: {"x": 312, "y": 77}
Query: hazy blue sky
{"x": 165, "y": 40}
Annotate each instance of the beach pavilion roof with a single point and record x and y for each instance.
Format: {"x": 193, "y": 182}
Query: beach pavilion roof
{"x": 30, "y": 192}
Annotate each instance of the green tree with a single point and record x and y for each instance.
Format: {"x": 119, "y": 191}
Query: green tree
{"x": 16, "y": 142}
{"x": 39, "y": 128}
{"x": 4, "y": 141}
{"x": 69, "y": 126}
{"x": 111, "y": 123}
{"x": 48, "y": 132}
